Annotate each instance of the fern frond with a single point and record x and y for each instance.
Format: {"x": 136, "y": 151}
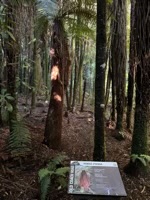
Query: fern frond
{"x": 62, "y": 171}
{"x": 51, "y": 166}
{"x": 58, "y": 174}
{"x": 19, "y": 140}
{"x": 59, "y": 159}
{"x": 144, "y": 159}
{"x": 45, "y": 184}
{"x": 44, "y": 172}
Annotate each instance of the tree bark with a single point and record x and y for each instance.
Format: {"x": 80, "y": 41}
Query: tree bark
{"x": 99, "y": 137}
{"x": 118, "y": 52}
{"x": 131, "y": 74}
{"x": 83, "y": 97}
{"x": 142, "y": 41}
{"x": 59, "y": 65}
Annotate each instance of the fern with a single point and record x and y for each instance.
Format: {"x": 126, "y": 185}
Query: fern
{"x": 62, "y": 171}
{"x": 19, "y": 140}
{"x": 59, "y": 159}
{"x": 45, "y": 183}
{"x": 144, "y": 159}
{"x": 46, "y": 175}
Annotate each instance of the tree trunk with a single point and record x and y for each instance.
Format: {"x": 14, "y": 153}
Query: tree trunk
{"x": 99, "y": 139}
{"x": 33, "y": 98}
{"x": 119, "y": 57}
{"x": 83, "y": 97}
{"x": 109, "y": 77}
{"x": 33, "y": 83}
{"x": 59, "y": 65}
{"x": 80, "y": 73}
{"x": 131, "y": 73}
{"x": 75, "y": 73}
{"x": 142, "y": 41}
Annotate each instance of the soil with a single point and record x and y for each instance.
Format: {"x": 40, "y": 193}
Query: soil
{"x": 19, "y": 178}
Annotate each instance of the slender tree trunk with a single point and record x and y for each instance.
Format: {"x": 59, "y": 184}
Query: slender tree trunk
{"x": 77, "y": 62}
{"x": 46, "y": 65}
{"x": 83, "y": 97}
{"x": 109, "y": 77}
{"x": 131, "y": 73}
{"x": 80, "y": 76}
{"x": 71, "y": 88}
{"x": 33, "y": 97}
{"x": 75, "y": 73}
{"x": 99, "y": 139}
{"x": 121, "y": 65}
{"x": 113, "y": 65}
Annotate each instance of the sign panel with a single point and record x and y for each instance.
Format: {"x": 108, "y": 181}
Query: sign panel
{"x": 95, "y": 178}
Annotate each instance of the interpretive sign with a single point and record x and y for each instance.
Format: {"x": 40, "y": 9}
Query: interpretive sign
{"x": 95, "y": 178}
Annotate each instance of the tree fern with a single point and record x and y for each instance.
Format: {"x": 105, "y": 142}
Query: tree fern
{"x": 19, "y": 140}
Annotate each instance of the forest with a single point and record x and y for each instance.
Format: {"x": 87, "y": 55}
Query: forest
{"x": 74, "y": 86}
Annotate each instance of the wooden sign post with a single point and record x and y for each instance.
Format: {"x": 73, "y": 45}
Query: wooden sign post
{"x": 89, "y": 180}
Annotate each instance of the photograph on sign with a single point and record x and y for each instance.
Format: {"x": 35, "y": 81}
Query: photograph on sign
{"x": 95, "y": 178}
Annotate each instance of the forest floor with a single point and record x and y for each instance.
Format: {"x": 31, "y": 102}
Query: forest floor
{"x": 19, "y": 181}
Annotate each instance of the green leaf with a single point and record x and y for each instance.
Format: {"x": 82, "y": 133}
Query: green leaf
{"x": 32, "y": 41}
{"x": 10, "y": 97}
{"x": 9, "y": 107}
{"x": 44, "y": 172}
{"x": 62, "y": 171}
{"x": 3, "y": 91}
{"x": 142, "y": 161}
{"x": 51, "y": 166}
{"x": 11, "y": 35}
{"x": 26, "y": 85}
{"x": 45, "y": 183}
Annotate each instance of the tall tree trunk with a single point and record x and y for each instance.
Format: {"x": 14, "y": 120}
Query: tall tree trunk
{"x": 80, "y": 73}
{"x": 119, "y": 57}
{"x": 77, "y": 61}
{"x": 113, "y": 64}
{"x": 33, "y": 98}
{"x": 99, "y": 138}
{"x": 131, "y": 73}
{"x": 142, "y": 41}
{"x": 33, "y": 81}
{"x": 75, "y": 73}
{"x": 59, "y": 65}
